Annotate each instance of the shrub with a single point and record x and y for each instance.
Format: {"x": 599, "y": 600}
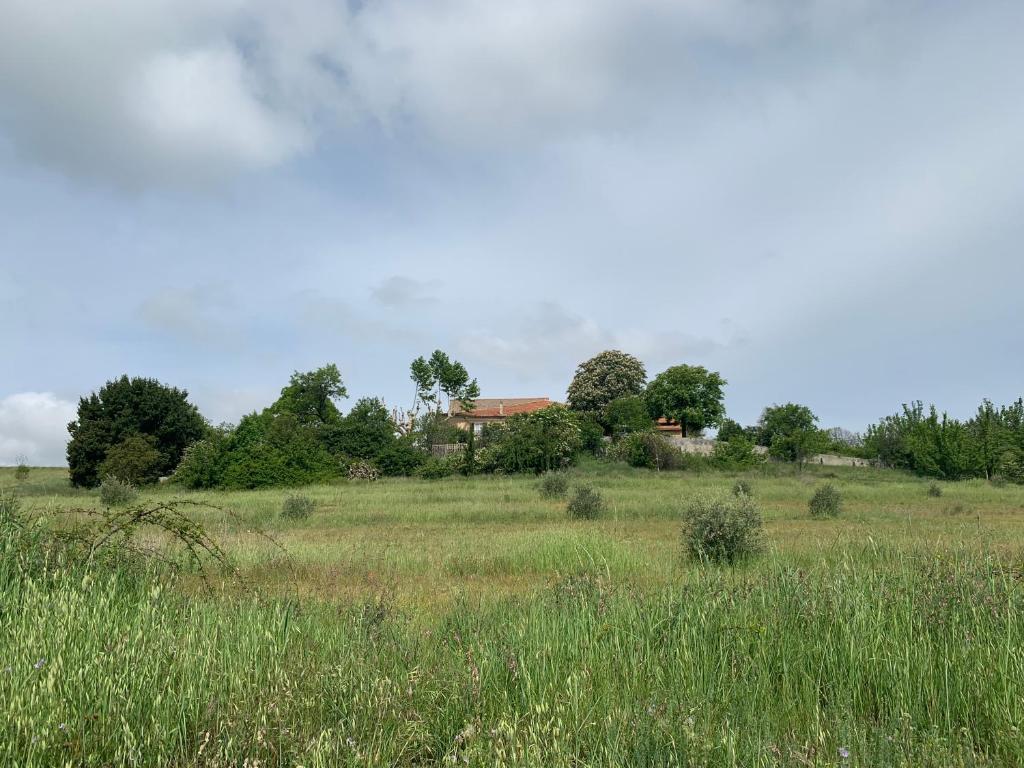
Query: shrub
{"x": 134, "y": 460}
{"x": 826, "y": 501}
{"x": 114, "y": 492}
{"x": 437, "y": 469}
{"x": 586, "y": 503}
{"x": 723, "y": 530}
{"x": 400, "y": 458}
{"x": 363, "y": 470}
{"x": 935, "y": 490}
{"x": 533, "y": 442}
{"x": 591, "y": 433}
{"x": 553, "y": 485}
{"x": 297, "y": 507}
{"x": 628, "y": 414}
{"x": 22, "y": 469}
{"x": 742, "y": 488}
{"x": 648, "y": 449}
{"x": 737, "y": 453}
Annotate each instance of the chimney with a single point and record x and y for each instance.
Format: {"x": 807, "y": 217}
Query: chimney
{"x": 501, "y": 407}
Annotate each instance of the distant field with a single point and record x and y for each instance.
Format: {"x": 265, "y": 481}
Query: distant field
{"x": 467, "y": 621}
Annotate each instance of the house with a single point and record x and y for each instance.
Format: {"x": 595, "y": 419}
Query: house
{"x": 493, "y": 410}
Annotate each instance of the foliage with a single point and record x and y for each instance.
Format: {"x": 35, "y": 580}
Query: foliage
{"x": 275, "y": 449}
{"x": 553, "y": 485}
{"x": 21, "y": 469}
{"x": 440, "y": 375}
{"x": 433, "y": 428}
{"x": 135, "y": 460}
{"x": 722, "y": 529}
{"x": 827, "y": 501}
{"x": 689, "y": 394}
{"x": 790, "y": 432}
{"x": 125, "y": 407}
{"x": 311, "y": 397}
{"x": 735, "y": 454}
{"x": 627, "y": 414}
{"x": 729, "y": 429}
{"x": 297, "y": 507}
{"x": 742, "y": 488}
{"x": 935, "y": 490}
{"x": 9, "y": 504}
{"x": 604, "y": 378}
{"x": 400, "y": 458}
{"x": 363, "y": 470}
{"x": 202, "y": 465}
{"x": 435, "y": 468}
{"x": 544, "y": 440}
{"x": 648, "y": 449}
{"x": 591, "y": 433}
{"x": 843, "y": 442}
{"x": 586, "y": 503}
{"x": 365, "y": 432}
{"x": 115, "y": 492}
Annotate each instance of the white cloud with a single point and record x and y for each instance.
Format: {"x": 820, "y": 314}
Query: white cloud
{"x": 401, "y": 292}
{"x": 34, "y": 425}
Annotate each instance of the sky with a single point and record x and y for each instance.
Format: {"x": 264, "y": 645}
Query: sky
{"x": 824, "y": 201}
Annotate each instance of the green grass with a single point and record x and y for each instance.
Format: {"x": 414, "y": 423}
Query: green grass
{"x": 468, "y": 621}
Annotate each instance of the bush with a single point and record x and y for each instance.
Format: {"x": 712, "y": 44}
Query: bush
{"x": 22, "y": 469}
{"x": 297, "y": 507}
{"x": 400, "y": 458}
{"x": 723, "y": 530}
{"x": 533, "y": 442}
{"x": 935, "y": 490}
{"x": 438, "y": 469}
{"x": 742, "y": 488}
{"x": 553, "y": 485}
{"x": 737, "y": 453}
{"x": 114, "y": 492}
{"x": 134, "y": 460}
{"x": 648, "y": 449}
{"x": 591, "y": 433}
{"x": 586, "y": 503}
{"x": 363, "y": 470}
{"x": 826, "y": 501}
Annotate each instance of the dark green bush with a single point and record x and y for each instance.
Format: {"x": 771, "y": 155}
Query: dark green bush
{"x": 553, "y": 485}
{"x": 648, "y": 449}
{"x": 586, "y": 503}
{"x": 435, "y": 468}
{"x": 625, "y": 415}
{"x": 21, "y": 472}
{"x": 723, "y": 530}
{"x": 134, "y": 460}
{"x": 734, "y": 454}
{"x": 826, "y": 501}
{"x": 544, "y": 440}
{"x": 114, "y": 492}
{"x": 400, "y": 458}
{"x": 297, "y": 507}
{"x": 935, "y": 490}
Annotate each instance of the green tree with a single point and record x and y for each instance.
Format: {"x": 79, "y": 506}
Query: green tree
{"x": 312, "y": 396}
{"x": 603, "y": 378}
{"x": 690, "y": 394}
{"x": 440, "y": 378}
{"x": 125, "y": 407}
{"x": 624, "y": 415}
{"x": 544, "y": 440}
{"x": 134, "y": 460}
{"x": 790, "y": 431}
{"x": 364, "y": 431}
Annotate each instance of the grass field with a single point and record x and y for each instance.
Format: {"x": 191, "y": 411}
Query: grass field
{"x": 468, "y": 621}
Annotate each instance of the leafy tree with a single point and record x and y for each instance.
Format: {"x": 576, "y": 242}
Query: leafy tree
{"x": 627, "y": 414}
{"x": 312, "y": 396}
{"x": 603, "y": 378}
{"x": 441, "y": 376}
{"x": 401, "y": 458}
{"x": 364, "y": 432}
{"x": 690, "y": 394}
{"x": 736, "y": 453}
{"x": 134, "y": 460}
{"x": 924, "y": 442}
{"x": 131, "y": 406}
{"x": 790, "y": 431}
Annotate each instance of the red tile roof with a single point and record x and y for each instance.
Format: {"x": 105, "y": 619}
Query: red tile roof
{"x": 498, "y": 407}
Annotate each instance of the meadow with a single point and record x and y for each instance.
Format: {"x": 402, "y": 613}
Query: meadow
{"x": 469, "y": 621}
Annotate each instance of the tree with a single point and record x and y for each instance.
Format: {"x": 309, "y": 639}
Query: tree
{"x": 790, "y": 431}
{"x": 131, "y": 406}
{"x": 624, "y": 415}
{"x": 603, "y": 378}
{"x": 544, "y": 440}
{"x": 364, "y": 432}
{"x": 311, "y": 396}
{"x": 134, "y": 460}
{"x": 689, "y": 394}
{"x": 440, "y": 375}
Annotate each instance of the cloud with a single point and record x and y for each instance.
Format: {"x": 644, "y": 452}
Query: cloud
{"x": 34, "y": 425}
{"x": 142, "y": 92}
{"x": 401, "y": 292}
{"x": 197, "y": 314}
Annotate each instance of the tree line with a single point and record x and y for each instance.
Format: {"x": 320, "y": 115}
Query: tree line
{"x": 140, "y": 430}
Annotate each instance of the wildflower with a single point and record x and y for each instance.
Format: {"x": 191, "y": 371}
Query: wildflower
{"x": 39, "y": 664}
{"x": 844, "y": 753}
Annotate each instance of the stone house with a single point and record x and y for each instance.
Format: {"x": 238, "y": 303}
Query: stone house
{"x": 493, "y": 410}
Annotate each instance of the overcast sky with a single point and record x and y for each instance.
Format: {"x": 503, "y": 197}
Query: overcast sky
{"x": 822, "y": 200}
